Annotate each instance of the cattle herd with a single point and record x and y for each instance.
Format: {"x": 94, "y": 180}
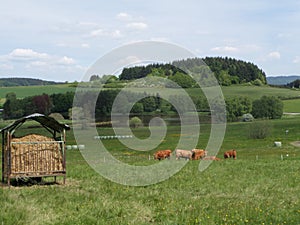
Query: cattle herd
{"x": 194, "y": 154}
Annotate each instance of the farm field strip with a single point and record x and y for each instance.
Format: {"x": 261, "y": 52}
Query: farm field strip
{"x": 248, "y": 190}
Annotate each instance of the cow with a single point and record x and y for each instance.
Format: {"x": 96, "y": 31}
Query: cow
{"x": 214, "y": 158}
{"x": 230, "y": 154}
{"x": 162, "y": 154}
{"x": 198, "y": 154}
{"x": 187, "y": 154}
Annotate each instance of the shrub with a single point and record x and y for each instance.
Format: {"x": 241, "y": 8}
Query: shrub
{"x": 135, "y": 122}
{"x": 270, "y": 107}
{"x": 259, "y": 129}
{"x": 247, "y": 117}
{"x": 57, "y": 116}
{"x": 257, "y": 82}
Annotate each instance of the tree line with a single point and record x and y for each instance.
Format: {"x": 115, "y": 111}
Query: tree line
{"x": 227, "y": 71}
{"x": 266, "y": 107}
{"x": 19, "y": 81}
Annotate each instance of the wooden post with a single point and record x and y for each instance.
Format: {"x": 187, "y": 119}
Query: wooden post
{"x": 3, "y": 149}
{"x": 8, "y": 169}
{"x": 64, "y": 155}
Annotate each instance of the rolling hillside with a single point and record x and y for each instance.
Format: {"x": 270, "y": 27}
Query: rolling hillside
{"x": 20, "y": 81}
{"x": 281, "y": 80}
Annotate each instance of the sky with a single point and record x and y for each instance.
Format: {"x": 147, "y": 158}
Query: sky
{"x": 59, "y": 40}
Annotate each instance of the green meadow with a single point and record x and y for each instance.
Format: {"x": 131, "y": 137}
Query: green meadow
{"x": 24, "y": 91}
{"x": 260, "y": 187}
{"x": 253, "y": 92}
{"x": 292, "y": 106}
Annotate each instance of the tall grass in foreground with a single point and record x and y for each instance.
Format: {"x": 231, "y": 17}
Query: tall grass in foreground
{"x": 228, "y": 192}
{"x": 249, "y": 190}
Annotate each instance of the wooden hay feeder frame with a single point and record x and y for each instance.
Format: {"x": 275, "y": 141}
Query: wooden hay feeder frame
{"x": 34, "y": 155}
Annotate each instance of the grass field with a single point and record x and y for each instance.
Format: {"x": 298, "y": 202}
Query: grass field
{"x": 255, "y": 92}
{"x": 260, "y": 187}
{"x": 291, "y": 106}
{"x": 25, "y": 91}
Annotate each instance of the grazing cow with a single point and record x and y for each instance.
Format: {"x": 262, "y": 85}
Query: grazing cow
{"x": 230, "y": 154}
{"x": 198, "y": 154}
{"x": 187, "y": 154}
{"x": 211, "y": 158}
{"x": 162, "y": 154}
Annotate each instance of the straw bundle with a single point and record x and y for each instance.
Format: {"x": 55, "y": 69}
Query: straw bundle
{"x": 35, "y": 155}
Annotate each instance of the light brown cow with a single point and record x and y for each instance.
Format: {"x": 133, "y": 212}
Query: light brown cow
{"x": 187, "y": 154}
{"x": 211, "y": 158}
{"x": 230, "y": 154}
{"x": 162, "y": 154}
{"x": 198, "y": 154}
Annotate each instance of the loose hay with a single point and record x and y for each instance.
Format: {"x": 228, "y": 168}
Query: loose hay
{"x": 34, "y": 155}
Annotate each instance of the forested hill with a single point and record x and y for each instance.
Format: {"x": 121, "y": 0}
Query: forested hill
{"x": 16, "y": 81}
{"x": 227, "y": 70}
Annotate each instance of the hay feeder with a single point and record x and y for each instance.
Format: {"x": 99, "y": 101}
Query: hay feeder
{"x": 34, "y": 155}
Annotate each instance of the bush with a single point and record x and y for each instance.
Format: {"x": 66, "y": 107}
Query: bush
{"x": 247, "y": 117}
{"x": 56, "y": 116}
{"x": 257, "y": 82}
{"x": 135, "y": 122}
{"x": 259, "y": 129}
{"x": 269, "y": 107}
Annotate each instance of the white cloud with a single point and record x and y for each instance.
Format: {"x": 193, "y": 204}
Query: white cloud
{"x": 103, "y": 33}
{"x": 137, "y": 26}
{"x": 132, "y": 59}
{"x": 274, "y": 55}
{"x": 30, "y": 60}
{"x": 225, "y": 49}
{"x": 97, "y": 33}
{"x": 116, "y": 34}
{"x": 66, "y": 61}
{"x": 26, "y": 54}
{"x": 124, "y": 16}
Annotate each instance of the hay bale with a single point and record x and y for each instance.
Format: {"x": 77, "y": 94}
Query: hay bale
{"x": 277, "y": 143}
{"x": 36, "y": 155}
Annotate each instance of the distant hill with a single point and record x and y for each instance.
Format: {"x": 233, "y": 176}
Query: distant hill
{"x": 227, "y": 70}
{"x": 282, "y": 80}
{"x": 17, "y": 81}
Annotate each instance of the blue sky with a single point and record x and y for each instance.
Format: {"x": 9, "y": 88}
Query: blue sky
{"x": 59, "y": 40}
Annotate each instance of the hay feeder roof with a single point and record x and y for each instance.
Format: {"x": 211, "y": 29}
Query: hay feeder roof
{"x": 48, "y": 122}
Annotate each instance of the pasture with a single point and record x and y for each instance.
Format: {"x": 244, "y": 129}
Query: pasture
{"x": 25, "y": 91}
{"x": 291, "y": 106}
{"x": 255, "y": 92}
{"x": 260, "y": 187}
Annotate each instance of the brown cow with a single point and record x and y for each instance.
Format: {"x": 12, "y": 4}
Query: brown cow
{"x": 162, "y": 154}
{"x": 187, "y": 154}
{"x": 211, "y": 158}
{"x": 230, "y": 154}
{"x": 198, "y": 154}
